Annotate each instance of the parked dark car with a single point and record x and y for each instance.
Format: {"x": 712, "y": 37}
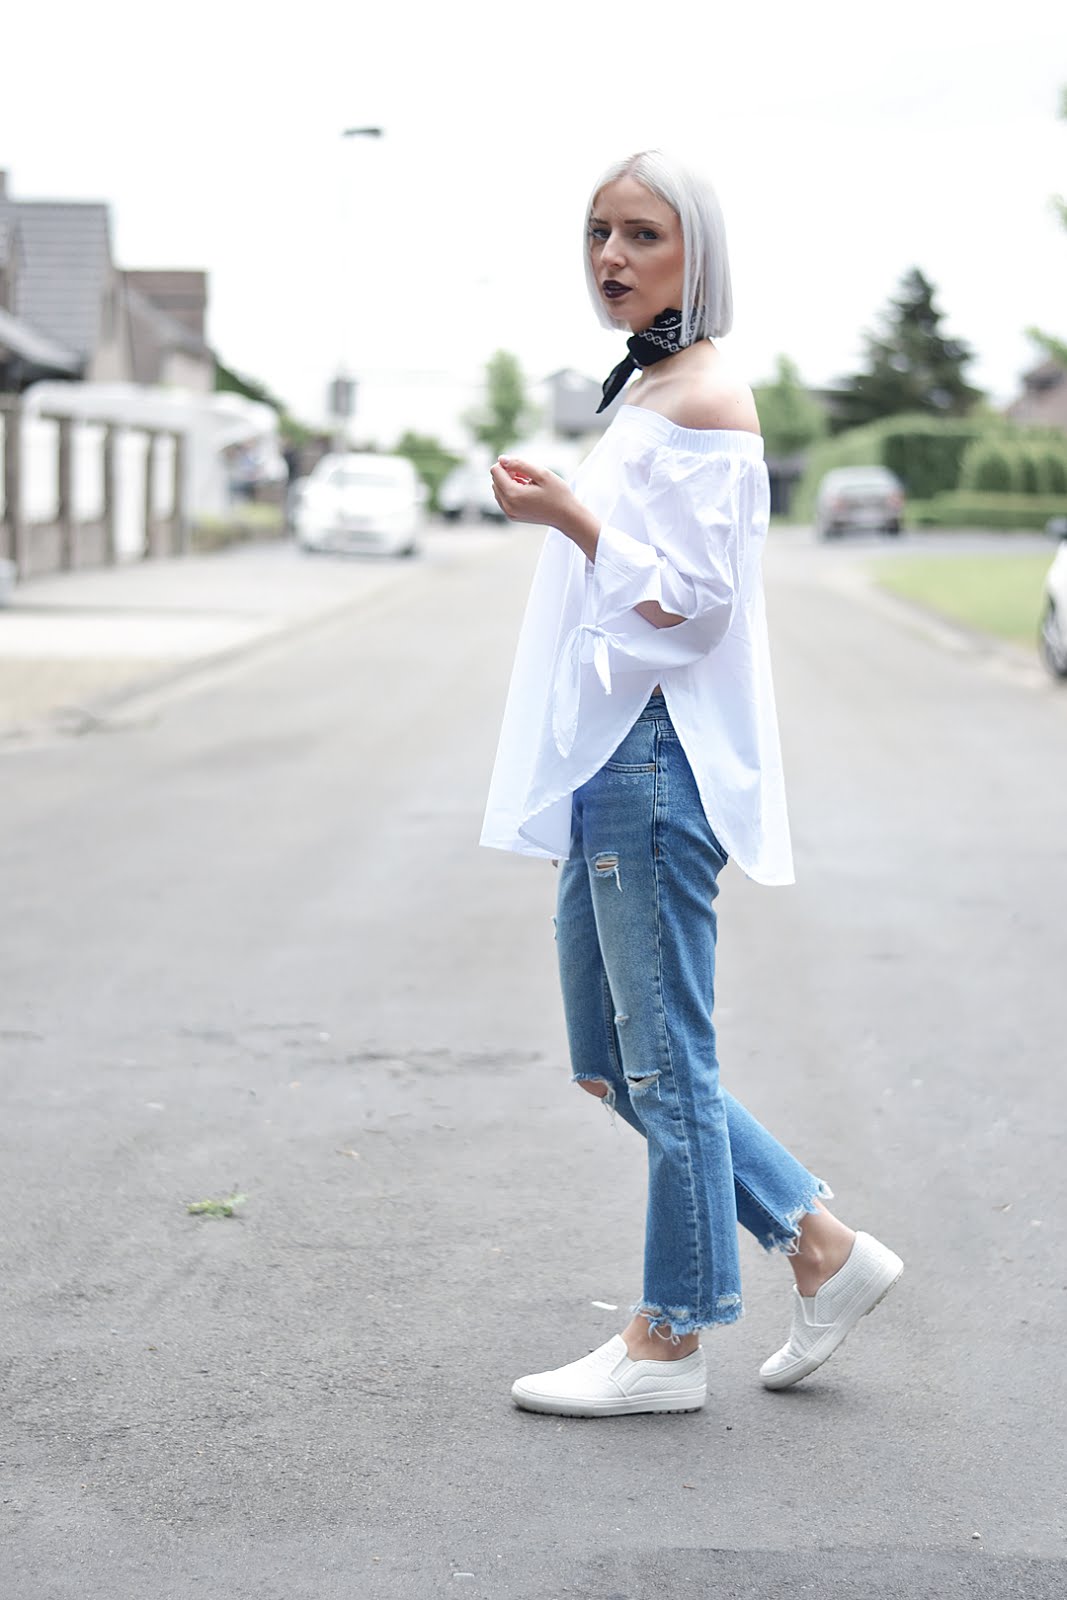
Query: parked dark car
{"x": 870, "y": 498}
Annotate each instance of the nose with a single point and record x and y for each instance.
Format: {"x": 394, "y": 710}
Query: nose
{"x": 612, "y": 252}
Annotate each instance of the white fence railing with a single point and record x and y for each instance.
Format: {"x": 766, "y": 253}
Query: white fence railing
{"x": 77, "y": 492}
{"x": 102, "y": 473}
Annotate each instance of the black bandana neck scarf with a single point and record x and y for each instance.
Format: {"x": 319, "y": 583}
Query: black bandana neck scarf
{"x": 662, "y": 339}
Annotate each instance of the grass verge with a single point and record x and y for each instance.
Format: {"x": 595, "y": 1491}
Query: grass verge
{"x": 998, "y": 594}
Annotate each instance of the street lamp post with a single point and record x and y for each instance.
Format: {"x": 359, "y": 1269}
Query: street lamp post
{"x": 343, "y": 387}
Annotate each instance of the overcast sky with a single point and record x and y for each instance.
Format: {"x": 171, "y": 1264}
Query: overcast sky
{"x": 847, "y": 144}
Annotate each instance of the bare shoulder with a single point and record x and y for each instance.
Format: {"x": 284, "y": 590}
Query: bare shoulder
{"x": 698, "y": 389}
{"x": 715, "y": 398}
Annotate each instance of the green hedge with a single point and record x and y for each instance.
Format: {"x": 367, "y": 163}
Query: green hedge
{"x": 1020, "y": 466}
{"x": 926, "y": 453}
{"x": 970, "y": 508}
{"x": 990, "y": 465}
{"x": 930, "y": 456}
{"x": 1052, "y": 469}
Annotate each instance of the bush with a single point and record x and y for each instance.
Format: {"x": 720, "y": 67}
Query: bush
{"x": 1028, "y": 470}
{"x": 926, "y": 453}
{"x": 930, "y": 454}
{"x": 971, "y": 508}
{"x": 244, "y": 521}
{"x": 988, "y": 465}
{"x": 1051, "y": 469}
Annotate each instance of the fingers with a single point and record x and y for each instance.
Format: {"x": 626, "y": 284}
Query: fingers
{"x": 499, "y": 478}
{"x": 509, "y": 485}
{"x": 523, "y": 492}
{"x": 521, "y": 471}
{"x": 502, "y": 484}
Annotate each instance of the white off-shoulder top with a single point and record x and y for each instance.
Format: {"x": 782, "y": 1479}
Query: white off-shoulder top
{"x": 684, "y": 516}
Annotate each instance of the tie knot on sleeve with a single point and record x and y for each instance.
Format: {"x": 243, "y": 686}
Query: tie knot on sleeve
{"x": 584, "y": 643}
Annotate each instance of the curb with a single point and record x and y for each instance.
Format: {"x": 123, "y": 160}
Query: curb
{"x": 99, "y": 713}
{"x": 998, "y": 655}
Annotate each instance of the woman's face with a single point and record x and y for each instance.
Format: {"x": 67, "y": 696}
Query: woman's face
{"x": 636, "y": 249}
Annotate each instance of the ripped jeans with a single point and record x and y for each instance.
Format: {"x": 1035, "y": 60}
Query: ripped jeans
{"x": 635, "y": 932}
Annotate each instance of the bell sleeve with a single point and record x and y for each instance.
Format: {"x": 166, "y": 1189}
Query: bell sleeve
{"x": 695, "y": 515}
{"x": 690, "y": 562}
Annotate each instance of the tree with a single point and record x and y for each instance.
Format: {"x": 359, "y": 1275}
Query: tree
{"x": 791, "y": 418}
{"x": 1053, "y": 348}
{"x": 506, "y": 410}
{"x": 910, "y": 365}
{"x": 431, "y": 460}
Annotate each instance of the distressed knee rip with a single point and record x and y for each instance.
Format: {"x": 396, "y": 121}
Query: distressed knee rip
{"x": 641, "y": 1082}
{"x": 601, "y": 1090}
{"x": 606, "y": 865}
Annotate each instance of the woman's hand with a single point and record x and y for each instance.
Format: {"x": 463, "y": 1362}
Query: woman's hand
{"x": 530, "y": 494}
{"x": 526, "y": 493}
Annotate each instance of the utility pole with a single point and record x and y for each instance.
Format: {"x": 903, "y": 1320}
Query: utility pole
{"x": 343, "y": 386}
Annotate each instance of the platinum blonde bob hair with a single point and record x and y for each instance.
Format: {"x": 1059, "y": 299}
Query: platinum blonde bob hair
{"x": 707, "y": 296}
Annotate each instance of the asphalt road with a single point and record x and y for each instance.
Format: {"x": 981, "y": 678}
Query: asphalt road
{"x": 249, "y": 943}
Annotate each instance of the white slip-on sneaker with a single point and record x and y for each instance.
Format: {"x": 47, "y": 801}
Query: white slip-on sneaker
{"x": 606, "y": 1383}
{"x": 822, "y": 1321}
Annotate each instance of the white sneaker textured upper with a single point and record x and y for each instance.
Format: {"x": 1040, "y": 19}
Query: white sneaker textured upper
{"x": 821, "y": 1321}
{"x": 607, "y": 1383}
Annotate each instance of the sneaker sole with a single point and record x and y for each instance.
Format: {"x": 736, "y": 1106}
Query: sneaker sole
{"x": 824, "y": 1349}
{"x": 549, "y": 1405}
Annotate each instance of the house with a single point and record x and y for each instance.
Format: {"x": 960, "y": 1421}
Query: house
{"x": 67, "y": 310}
{"x": 572, "y": 402}
{"x": 1044, "y": 397}
{"x": 165, "y": 314}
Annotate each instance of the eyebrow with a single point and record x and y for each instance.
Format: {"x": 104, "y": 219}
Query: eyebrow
{"x": 631, "y": 222}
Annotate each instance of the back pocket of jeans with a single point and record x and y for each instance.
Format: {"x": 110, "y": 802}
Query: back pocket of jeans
{"x": 632, "y": 769}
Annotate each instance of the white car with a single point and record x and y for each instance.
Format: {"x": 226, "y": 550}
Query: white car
{"x": 355, "y": 502}
{"x": 468, "y": 489}
{"x": 858, "y": 497}
{"x": 468, "y": 492}
{"x": 1053, "y": 638}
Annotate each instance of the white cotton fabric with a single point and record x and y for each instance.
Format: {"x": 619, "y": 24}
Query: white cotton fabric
{"x": 684, "y": 516}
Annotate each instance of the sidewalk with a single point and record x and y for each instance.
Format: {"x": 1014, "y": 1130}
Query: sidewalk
{"x": 74, "y": 644}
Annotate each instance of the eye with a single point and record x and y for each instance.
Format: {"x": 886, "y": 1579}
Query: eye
{"x": 647, "y": 233}
{"x": 598, "y": 233}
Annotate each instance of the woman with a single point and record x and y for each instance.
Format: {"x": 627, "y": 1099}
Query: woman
{"x": 640, "y": 747}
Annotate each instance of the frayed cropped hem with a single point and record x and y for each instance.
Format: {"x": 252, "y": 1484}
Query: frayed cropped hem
{"x": 784, "y": 1238}
{"x": 679, "y": 1320}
